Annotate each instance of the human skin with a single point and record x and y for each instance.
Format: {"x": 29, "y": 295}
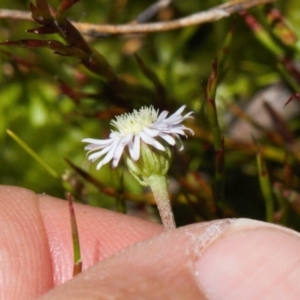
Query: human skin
{"x": 127, "y": 258}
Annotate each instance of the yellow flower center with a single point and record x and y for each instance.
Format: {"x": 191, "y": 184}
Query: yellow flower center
{"x": 136, "y": 121}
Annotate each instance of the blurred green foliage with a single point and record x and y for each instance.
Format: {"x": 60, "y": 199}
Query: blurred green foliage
{"x": 53, "y": 101}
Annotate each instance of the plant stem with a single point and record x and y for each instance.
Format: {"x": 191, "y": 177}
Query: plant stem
{"x": 158, "y": 185}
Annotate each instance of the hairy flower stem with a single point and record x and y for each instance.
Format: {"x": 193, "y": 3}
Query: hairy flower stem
{"x": 159, "y": 187}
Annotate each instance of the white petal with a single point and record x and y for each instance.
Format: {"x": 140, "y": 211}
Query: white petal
{"x": 93, "y": 147}
{"x": 96, "y": 142}
{"x": 161, "y": 116}
{"x": 181, "y": 147}
{"x": 98, "y": 154}
{"x": 182, "y": 129}
{"x": 173, "y": 120}
{"x": 108, "y": 156}
{"x": 117, "y": 155}
{"x": 190, "y": 130}
{"x": 130, "y": 149}
{"x": 120, "y": 148}
{"x": 127, "y": 138}
{"x": 188, "y": 115}
{"x": 134, "y": 148}
{"x": 180, "y": 141}
{"x": 151, "y": 141}
{"x": 114, "y": 134}
{"x": 159, "y": 127}
{"x": 179, "y": 129}
{"x": 151, "y": 131}
{"x": 95, "y": 156}
{"x": 176, "y": 117}
{"x": 180, "y": 110}
{"x": 168, "y": 138}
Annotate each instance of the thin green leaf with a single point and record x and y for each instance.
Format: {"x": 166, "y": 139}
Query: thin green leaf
{"x": 33, "y": 154}
{"x": 75, "y": 238}
{"x": 265, "y": 185}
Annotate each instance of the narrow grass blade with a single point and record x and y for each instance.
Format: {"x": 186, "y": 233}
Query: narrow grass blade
{"x": 265, "y": 185}
{"x": 75, "y": 238}
{"x": 33, "y": 154}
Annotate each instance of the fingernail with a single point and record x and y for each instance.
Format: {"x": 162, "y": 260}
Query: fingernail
{"x": 249, "y": 260}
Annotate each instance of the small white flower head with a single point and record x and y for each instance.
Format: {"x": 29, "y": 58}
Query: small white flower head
{"x": 133, "y": 130}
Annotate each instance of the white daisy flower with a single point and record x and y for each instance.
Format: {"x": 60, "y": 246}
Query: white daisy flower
{"x": 143, "y": 126}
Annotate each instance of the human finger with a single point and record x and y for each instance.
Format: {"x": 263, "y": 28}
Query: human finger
{"x": 36, "y": 243}
{"x": 226, "y": 259}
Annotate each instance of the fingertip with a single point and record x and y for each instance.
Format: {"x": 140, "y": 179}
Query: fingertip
{"x": 251, "y": 260}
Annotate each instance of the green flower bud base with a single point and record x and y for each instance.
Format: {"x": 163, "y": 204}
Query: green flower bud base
{"x": 150, "y": 170}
